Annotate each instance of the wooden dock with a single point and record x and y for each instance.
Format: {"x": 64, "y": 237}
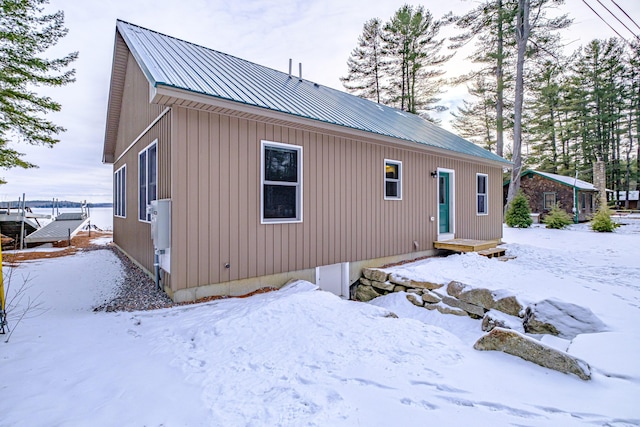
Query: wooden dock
{"x": 64, "y": 227}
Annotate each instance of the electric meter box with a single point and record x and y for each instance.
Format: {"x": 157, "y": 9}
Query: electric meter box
{"x": 161, "y": 223}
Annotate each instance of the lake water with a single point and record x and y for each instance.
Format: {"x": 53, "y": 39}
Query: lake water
{"x": 100, "y": 217}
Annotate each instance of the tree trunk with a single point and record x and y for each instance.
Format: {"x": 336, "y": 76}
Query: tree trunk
{"x": 554, "y": 147}
{"x": 522, "y": 37}
{"x": 500, "y": 86}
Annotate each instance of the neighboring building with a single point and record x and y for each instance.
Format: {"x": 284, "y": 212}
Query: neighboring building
{"x": 621, "y": 199}
{"x": 545, "y": 189}
{"x": 272, "y": 177}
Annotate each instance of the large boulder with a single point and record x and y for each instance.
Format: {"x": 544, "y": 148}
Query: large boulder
{"x": 488, "y": 299}
{"x": 497, "y": 319}
{"x": 524, "y": 347}
{"x": 366, "y": 293}
{"x": 473, "y": 310}
{"x": 456, "y": 288}
{"x": 401, "y": 280}
{"x": 478, "y": 296}
{"x": 564, "y": 319}
{"x": 375, "y": 274}
{"x": 383, "y": 286}
{"x": 508, "y": 304}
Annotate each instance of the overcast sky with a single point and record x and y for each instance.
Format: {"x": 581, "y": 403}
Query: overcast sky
{"x": 318, "y": 33}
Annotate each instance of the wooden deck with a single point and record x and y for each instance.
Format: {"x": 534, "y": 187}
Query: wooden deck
{"x": 466, "y": 245}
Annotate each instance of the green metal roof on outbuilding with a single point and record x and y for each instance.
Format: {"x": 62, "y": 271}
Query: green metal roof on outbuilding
{"x": 562, "y": 179}
{"x": 167, "y": 61}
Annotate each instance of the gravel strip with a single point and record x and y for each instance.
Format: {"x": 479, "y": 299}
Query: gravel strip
{"x": 137, "y": 290}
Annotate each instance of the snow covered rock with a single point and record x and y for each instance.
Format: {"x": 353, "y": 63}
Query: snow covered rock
{"x": 509, "y": 304}
{"x": 383, "y": 286}
{"x": 472, "y": 309}
{"x": 564, "y": 319}
{"x": 430, "y": 297}
{"x": 497, "y": 319}
{"x": 415, "y": 299}
{"x": 455, "y": 288}
{"x": 366, "y": 293}
{"x": 516, "y": 344}
{"x": 479, "y": 297}
{"x": 445, "y": 309}
{"x": 375, "y": 274}
{"x": 399, "y": 279}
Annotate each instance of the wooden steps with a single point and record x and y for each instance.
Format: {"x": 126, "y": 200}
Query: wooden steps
{"x": 486, "y": 248}
{"x": 465, "y": 245}
{"x": 493, "y": 252}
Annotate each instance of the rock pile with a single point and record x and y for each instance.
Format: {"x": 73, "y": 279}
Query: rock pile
{"x": 505, "y": 319}
{"x": 457, "y": 298}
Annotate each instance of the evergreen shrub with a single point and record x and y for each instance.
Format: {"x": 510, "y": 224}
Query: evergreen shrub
{"x": 557, "y": 218}
{"x": 519, "y": 214}
{"x": 602, "y": 222}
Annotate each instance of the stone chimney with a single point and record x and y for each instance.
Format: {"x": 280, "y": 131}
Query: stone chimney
{"x": 600, "y": 182}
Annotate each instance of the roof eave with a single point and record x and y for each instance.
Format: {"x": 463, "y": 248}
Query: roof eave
{"x": 116, "y": 91}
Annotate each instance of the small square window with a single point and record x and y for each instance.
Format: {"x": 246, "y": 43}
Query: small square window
{"x": 482, "y": 199}
{"x": 392, "y": 180}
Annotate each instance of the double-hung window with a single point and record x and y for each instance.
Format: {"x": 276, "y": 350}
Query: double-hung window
{"x": 281, "y": 179}
{"x": 147, "y": 179}
{"x": 392, "y": 180}
{"x": 120, "y": 192}
{"x": 549, "y": 200}
{"x": 482, "y": 199}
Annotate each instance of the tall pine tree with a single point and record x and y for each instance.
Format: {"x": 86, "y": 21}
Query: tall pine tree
{"x": 415, "y": 63}
{"x": 366, "y": 63}
{"x": 25, "y": 34}
{"x": 476, "y": 120}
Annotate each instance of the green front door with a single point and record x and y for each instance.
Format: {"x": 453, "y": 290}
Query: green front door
{"x": 443, "y": 202}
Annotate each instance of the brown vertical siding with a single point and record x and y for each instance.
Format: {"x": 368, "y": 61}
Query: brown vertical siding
{"x": 136, "y": 113}
{"x": 216, "y": 201}
{"x": 134, "y": 236}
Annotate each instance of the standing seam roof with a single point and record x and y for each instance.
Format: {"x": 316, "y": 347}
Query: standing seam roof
{"x": 176, "y": 63}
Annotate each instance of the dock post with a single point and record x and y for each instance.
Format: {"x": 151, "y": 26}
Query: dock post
{"x": 22, "y": 223}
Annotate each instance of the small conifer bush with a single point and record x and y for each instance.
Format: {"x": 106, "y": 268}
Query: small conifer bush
{"x": 557, "y": 218}
{"x": 602, "y": 222}
{"x": 519, "y": 214}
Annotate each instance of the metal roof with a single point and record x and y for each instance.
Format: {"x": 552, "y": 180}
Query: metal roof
{"x": 167, "y": 61}
{"x": 567, "y": 180}
{"x": 573, "y": 182}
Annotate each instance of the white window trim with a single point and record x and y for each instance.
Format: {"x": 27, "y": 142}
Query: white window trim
{"x": 120, "y": 201}
{"x": 155, "y": 142}
{"x": 299, "y": 186}
{"x": 452, "y": 204}
{"x": 486, "y": 194}
{"x": 399, "y": 180}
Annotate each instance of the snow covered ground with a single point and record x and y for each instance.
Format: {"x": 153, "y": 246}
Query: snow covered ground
{"x": 301, "y": 357}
